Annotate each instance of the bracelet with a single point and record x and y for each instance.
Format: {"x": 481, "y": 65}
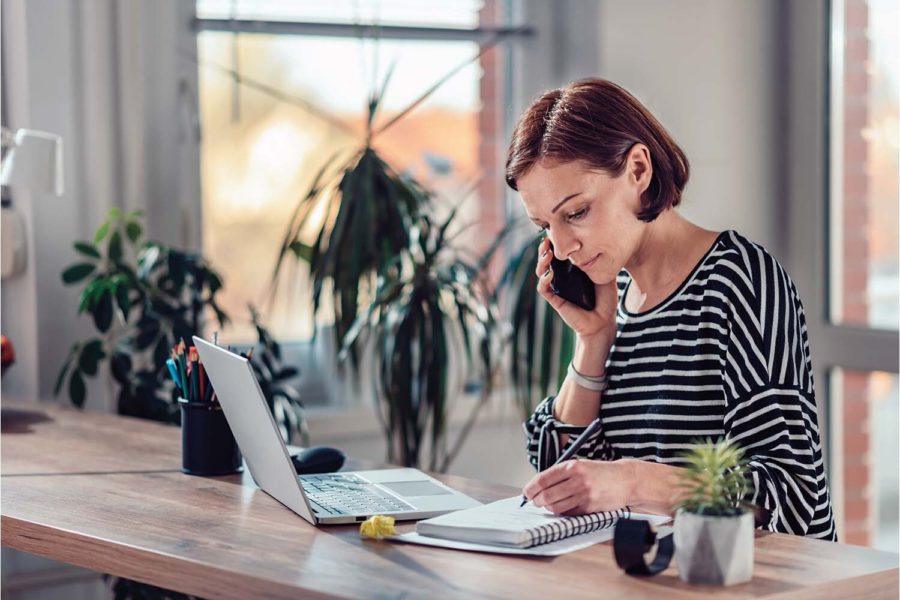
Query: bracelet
{"x": 594, "y": 384}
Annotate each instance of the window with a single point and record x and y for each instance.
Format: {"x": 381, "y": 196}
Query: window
{"x": 276, "y": 106}
{"x": 865, "y": 164}
{"x": 858, "y": 330}
{"x": 867, "y": 406}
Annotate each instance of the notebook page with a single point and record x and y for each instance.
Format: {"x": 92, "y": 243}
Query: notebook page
{"x": 571, "y": 544}
{"x": 501, "y": 522}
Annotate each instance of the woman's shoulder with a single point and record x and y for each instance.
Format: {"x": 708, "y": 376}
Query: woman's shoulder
{"x": 751, "y": 265}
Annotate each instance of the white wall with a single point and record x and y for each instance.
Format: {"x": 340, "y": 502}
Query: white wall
{"x": 709, "y": 70}
{"x": 116, "y": 81}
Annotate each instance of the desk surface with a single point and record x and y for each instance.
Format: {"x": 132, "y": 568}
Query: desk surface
{"x": 106, "y": 493}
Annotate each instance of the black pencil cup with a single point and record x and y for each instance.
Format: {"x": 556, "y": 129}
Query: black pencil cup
{"x": 207, "y": 445}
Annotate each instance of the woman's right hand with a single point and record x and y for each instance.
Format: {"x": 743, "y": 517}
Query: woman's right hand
{"x": 592, "y": 327}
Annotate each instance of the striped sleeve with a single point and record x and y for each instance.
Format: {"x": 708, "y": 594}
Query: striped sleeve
{"x": 542, "y": 431}
{"x": 770, "y": 398}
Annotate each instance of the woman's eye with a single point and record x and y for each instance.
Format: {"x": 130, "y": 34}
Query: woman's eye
{"x": 577, "y": 214}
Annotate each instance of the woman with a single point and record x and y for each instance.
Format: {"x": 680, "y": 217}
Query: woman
{"x": 695, "y": 333}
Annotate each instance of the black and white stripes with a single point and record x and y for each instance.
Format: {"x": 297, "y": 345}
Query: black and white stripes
{"x": 726, "y": 355}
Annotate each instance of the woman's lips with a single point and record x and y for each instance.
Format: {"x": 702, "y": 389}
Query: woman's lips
{"x": 588, "y": 264}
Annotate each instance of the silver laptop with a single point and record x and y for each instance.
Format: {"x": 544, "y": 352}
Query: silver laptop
{"x": 332, "y": 498}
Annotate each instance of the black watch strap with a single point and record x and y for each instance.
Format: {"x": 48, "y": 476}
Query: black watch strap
{"x": 633, "y": 539}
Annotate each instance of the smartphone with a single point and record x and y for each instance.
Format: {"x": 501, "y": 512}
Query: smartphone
{"x": 572, "y": 284}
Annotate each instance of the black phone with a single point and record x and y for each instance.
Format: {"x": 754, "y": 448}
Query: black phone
{"x": 572, "y": 284}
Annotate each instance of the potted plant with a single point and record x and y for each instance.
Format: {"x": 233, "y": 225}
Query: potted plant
{"x": 143, "y": 298}
{"x": 432, "y": 325}
{"x": 713, "y": 527}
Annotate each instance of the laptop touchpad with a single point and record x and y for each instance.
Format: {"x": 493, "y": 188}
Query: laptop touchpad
{"x": 416, "y": 488}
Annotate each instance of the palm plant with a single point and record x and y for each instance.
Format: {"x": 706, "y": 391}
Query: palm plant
{"x": 541, "y": 345}
{"x": 361, "y": 211}
{"x": 432, "y": 325}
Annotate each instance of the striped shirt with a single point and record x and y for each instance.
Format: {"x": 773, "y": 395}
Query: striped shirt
{"x": 725, "y": 356}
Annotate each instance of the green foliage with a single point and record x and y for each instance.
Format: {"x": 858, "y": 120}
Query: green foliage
{"x": 430, "y": 305}
{"x": 714, "y": 479}
{"x": 284, "y": 400}
{"x": 542, "y": 344}
{"x": 143, "y": 297}
{"x": 368, "y": 210}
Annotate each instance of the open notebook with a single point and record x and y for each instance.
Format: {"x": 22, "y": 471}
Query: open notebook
{"x": 503, "y": 523}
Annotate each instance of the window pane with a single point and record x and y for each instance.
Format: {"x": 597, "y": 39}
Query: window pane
{"x": 450, "y": 13}
{"x": 865, "y": 201}
{"x": 260, "y": 153}
{"x": 866, "y": 407}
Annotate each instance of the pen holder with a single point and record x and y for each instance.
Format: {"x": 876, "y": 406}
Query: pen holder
{"x": 207, "y": 445}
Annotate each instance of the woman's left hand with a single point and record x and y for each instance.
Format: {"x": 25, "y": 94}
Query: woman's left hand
{"x": 577, "y": 487}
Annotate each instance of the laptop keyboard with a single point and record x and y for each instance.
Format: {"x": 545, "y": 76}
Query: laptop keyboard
{"x": 340, "y": 494}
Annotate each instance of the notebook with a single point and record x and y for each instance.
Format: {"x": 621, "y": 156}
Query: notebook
{"x": 503, "y": 523}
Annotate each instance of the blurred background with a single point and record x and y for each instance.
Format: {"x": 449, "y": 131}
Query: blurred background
{"x": 213, "y": 118}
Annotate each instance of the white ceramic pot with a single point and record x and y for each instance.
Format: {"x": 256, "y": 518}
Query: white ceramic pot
{"x": 714, "y": 550}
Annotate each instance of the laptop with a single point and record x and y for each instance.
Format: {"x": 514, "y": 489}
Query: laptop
{"x": 325, "y": 499}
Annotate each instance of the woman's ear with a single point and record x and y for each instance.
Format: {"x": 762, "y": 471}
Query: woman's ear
{"x": 639, "y": 167}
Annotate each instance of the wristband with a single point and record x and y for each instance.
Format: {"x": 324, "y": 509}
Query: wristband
{"x": 632, "y": 539}
{"x": 594, "y": 384}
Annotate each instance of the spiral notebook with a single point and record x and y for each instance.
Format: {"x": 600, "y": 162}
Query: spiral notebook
{"x": 503, "y": 523}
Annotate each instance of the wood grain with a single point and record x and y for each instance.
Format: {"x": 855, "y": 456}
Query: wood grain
{"x": 106, "y": 493}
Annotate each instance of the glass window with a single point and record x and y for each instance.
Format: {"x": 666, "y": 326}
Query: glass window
{"x": 865, "y": 411}
{"x": 461, "y": 14}
{"x": 865, "y": 164}
{"x": 302, "y": 99}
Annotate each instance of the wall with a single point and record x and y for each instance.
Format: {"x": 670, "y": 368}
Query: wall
{"x": 709, "y": 70}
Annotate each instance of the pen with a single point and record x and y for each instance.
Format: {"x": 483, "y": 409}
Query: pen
{"x": 573, "y": 447}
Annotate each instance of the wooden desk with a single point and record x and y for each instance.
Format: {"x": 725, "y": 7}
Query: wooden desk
{"x": 106, "y": 493}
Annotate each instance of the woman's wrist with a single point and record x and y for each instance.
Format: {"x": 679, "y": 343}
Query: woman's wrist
{"x": 590, "y": 355}
{"x": 652, "y": 487}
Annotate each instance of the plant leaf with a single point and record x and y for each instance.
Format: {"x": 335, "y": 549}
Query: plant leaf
{"x": 90, "y": 357}
{"x": 103, "y": 311}
{"x": 101, "y": 233}
{"x": 77, "y": 272}
{"x": 86, "y": 249}
{"x": 133, "y": 230}
{"x": 77, "y": 390}
{"x": 115, "y": 247}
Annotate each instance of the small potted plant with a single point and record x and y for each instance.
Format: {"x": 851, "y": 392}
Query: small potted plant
{"x": 713, "y": 527}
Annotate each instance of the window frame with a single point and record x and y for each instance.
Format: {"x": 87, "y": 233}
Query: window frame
{"x": 329, "y": 391}
{"x": 809, "y": 142}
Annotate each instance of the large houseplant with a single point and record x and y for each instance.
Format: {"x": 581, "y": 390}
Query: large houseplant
{"x": 713, "y": 527}
{"x": 432, "y": 325}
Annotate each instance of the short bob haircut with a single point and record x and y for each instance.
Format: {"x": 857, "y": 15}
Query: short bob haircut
{"x": 598, "y": 122}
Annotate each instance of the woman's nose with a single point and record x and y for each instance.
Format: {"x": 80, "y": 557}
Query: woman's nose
{"x": 563, "y": 246}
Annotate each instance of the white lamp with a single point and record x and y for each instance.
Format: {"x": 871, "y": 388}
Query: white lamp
{"x": 33, "y": 161}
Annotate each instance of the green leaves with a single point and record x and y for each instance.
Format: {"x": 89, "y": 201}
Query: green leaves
{"x": 101, "y": 233}
{"x": 714, "y": 480}
{"x": 141, "y": 297}
{"x": 368, "y": 210}
{"x": 90, "y": 356}
{"x": 432, "y": 323}
{"x": 87, "y": 249}
{"x": 541, "y": 344}
{"x": 77, "y": 272}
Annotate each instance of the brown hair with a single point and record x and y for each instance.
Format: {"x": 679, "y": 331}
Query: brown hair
{"x": 598, "y": 122}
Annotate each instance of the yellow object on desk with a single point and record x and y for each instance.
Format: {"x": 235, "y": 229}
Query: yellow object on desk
{"x": 377, "y": 527}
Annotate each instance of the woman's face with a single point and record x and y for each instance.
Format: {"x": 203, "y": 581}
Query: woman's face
{"x": 589, "y": 216}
